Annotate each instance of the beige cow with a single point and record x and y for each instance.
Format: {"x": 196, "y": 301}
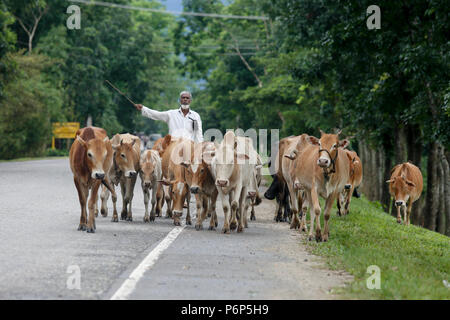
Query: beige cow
{"x": 150, "y": 172}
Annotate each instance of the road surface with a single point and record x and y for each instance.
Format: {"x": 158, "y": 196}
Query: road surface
{"x": 43, "y": 256}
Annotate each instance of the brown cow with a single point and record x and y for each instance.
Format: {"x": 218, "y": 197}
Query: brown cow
{"x": 321, "y": 168}
{"x": 406, "y": 183}
{"x": 177, "y": 156}
{"x": 90, "y": 159}
{"x": 354, "y": 181}
{"x": 203, "y": 184}
{"x": 124, "y": 171}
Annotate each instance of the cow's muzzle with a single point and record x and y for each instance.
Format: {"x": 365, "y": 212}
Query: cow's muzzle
{"x": 347, "y": 186}
{"x": 100, "y": 176}
{"x": 222, "y": 183}
{"x": 131, "y": 174}
{"x": 399, "y": 203}
{"x": 195, "y": 190}
{"x": 323, "y": 162}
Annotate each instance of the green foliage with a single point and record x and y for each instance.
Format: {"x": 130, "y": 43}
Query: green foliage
{"x": 28, "y": 106}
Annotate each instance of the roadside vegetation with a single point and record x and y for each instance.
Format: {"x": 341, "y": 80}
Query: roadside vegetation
{"x": 414, "y": 262}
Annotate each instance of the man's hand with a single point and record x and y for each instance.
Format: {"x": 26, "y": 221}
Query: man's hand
{"x": 138, "y": 106}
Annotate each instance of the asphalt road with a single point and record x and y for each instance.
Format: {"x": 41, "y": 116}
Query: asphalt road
{"x": 42, "y": 253}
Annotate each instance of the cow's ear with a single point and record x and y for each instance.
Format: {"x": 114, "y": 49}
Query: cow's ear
{"x": 166, "y": 141}
{"x": 82, "y": 142}
{"x": 343, "y": 143}
{"x": 313, "y": 140}
{"x": 106, "y": 139}
{"x": 258, "y": 166}
{"x": 133, "y": 142}
{"x": 410, "y": 183}
{"x": 185, "y": 164}
{"x": 389, "y": 181}
{"x": 339, "y": 132}
{"x": 321, "y": 132}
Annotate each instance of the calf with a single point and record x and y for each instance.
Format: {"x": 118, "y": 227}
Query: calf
{"x": 405, "y": 184}
{"x": 125, "y": 168}
{"x": 321, "y": 168}
{"x": 90, "y": 159}
{"x": 150, "y": 173}
{"x": 203, "y": 184}
{"x": 355, "y": 179}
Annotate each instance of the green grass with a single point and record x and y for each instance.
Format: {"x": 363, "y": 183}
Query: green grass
{"x": 413, "y": 261}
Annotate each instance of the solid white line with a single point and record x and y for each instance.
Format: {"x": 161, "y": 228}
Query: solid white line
{"x": 129, "y": 285}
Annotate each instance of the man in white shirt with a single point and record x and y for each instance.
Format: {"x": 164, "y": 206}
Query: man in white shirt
{"x": 182, "y": 122}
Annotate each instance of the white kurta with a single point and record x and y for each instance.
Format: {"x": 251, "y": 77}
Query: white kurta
{"x": 179, "y": 124}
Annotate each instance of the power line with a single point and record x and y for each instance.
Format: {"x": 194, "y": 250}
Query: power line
{"x": 209, "y": 15}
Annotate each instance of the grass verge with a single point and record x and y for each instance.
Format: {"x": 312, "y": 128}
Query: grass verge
{"x": 414, "y": 262}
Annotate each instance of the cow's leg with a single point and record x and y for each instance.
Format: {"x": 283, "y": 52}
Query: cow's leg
{"x": 188, "y": 200}
{"x": 242, "y": 209}
{"x": 305, "y": 205}
{"x": 295, "y": 222}
{"x": 248, "y": 203}
{"x": 278, "y": 209}
{"x": 146, "y": 198}
{"x": 96, "y": 206}
{"x": 399, "y": 216}
{"x": 130, "y": 193}
{"x": 225, "y": 198}
{"x": 316, "y": 207}
{"x": 202, "y": 211}
{"x": 338, "y": 205}
{"x": 167, "y": 197}
{"x": 326, "y": 216}
{"x": 408, "y": 211}
{"x": 287, "y": 215}
{"x": 348, "y": 200}
{"x": 123, "y": 188}
{"x": 235, "y": 197}
{"x": 83, "y": 192}
{"x": 159, "y": 199}
{"x": 213, "y": 221}
{"x": 115, "y": 217}
{"x": 104, "y": 196}
{"x": 152, "y": 213}
{"x": 91, "y": 205}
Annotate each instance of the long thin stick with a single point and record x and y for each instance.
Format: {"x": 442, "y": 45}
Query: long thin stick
{"x": 120, "y": 92}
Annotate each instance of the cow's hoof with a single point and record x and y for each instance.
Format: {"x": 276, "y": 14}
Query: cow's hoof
{"x": 146, "y": 219}
{"x": 96, "y": 213}
{"x": 81, "y": 227}
{"x": 310, "y": 237}
{"x": 240, "y": 229}
{"x": 129, "y": 219}
{"x": 252, "y": 217}
{"x": 90, "y": 230}
{"x": 325, "y": 238}
{"x": 399, "y": 221}
{"x": 177, "y": 223}
{"x": 152, "y": 218}
{"x": 198, "y": 227}
{"x": 318, "y": 237}
{"x": 104, "y": 213}
{"x": 212, "y": 228}
{"x": 209, "y": 215}
{"x": 115, "y": 219}
{"x": 188, "y": 222}
{"x": 233, "y": 226}
{"x": 338, "y": 213}
{"x": 225, "y": 230}
{"x": 216, "y": 224}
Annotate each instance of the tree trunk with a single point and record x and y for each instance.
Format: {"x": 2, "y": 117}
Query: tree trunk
{"x": 446, "y": 167}
{"x": 385, "y": 196}
{"x": 401, "y": 155}
{"x": 432, "y": 201}
{"x": 415, "y": 156}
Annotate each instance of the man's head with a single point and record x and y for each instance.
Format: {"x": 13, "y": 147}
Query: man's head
{"x": 185, "y": 99}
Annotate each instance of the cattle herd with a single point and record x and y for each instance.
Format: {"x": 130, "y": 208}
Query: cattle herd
{"x": 305, "y": 168}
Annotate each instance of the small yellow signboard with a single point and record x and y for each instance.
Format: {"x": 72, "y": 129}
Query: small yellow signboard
{"x": 65, "y": 130}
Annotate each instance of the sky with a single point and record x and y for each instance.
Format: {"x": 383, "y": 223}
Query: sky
{"x": 173, "y": 5}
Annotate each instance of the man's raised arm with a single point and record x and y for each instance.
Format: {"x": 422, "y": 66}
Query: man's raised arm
{"x": 152, "y": 114}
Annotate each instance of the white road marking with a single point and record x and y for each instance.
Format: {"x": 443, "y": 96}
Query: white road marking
{"x": 130, "y": 284}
